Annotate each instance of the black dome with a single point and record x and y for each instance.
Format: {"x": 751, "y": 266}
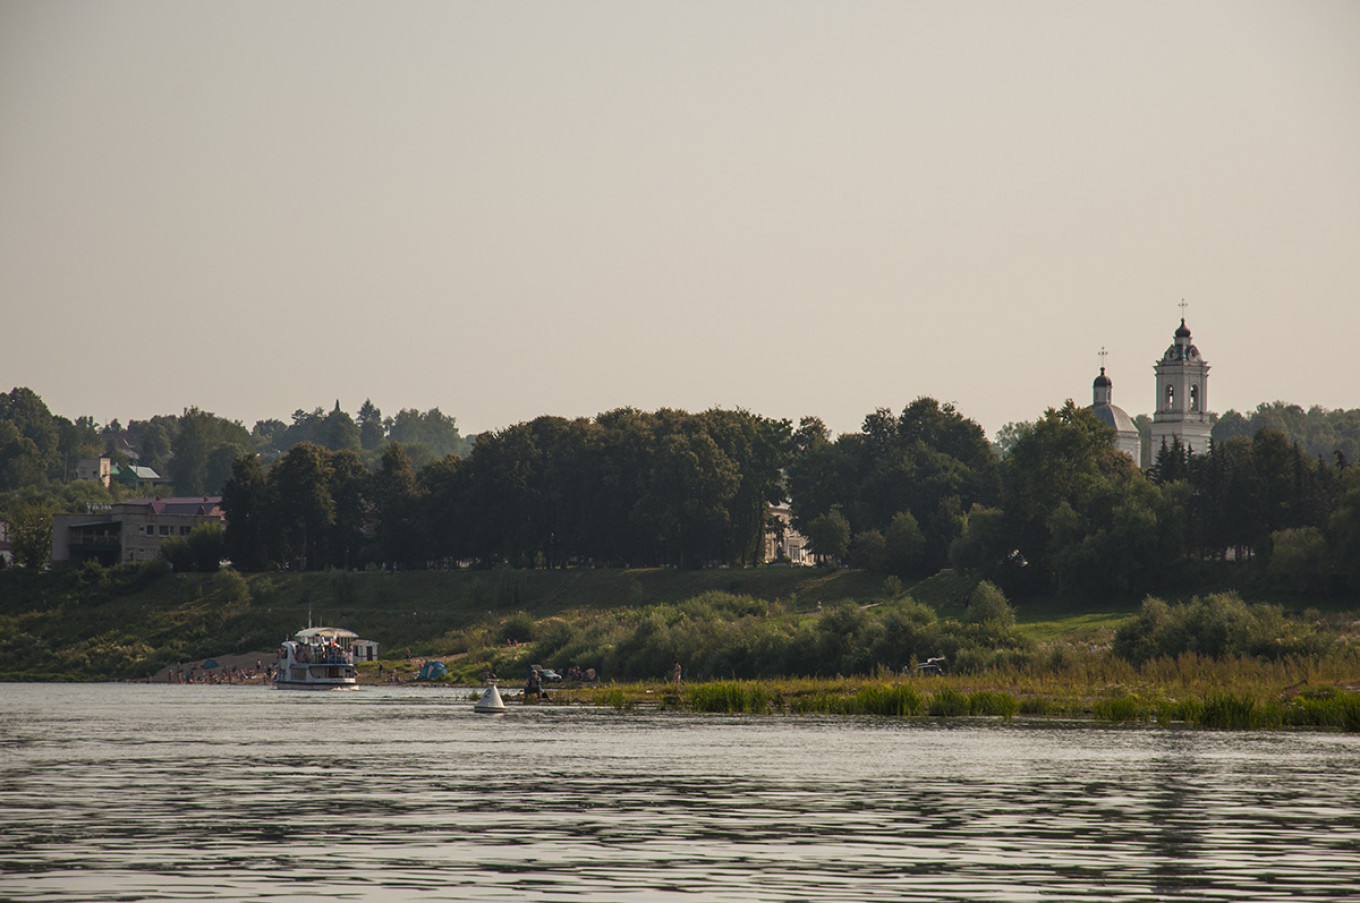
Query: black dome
{"x": 1102, "y": 381}
{"x": 1183, "y": 332}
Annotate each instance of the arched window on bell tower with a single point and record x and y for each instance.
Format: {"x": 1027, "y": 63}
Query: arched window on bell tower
{"x": 1194, "y": 398}
{"x": 1170, "y": 397}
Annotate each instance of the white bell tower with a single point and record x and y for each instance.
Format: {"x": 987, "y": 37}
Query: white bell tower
{"x": 1182, "y": 410}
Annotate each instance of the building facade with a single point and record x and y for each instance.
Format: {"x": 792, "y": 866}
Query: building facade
{"x": 129, "y": 531}
{"x": 783, "y": 543}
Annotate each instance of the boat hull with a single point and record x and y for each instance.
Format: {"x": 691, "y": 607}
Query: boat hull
{"x": 315, "y": 684}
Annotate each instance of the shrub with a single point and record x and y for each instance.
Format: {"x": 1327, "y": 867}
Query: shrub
{"x": 893, "y": 700}
{"x": 992, "y": 702}
{"x": 1121, "y": 709}
{"x": 988, "y": 605}
{"x": 727, "y": 696}
{"x": 1216, "y": 626}
{"x": 1231, "y": 711}
{"x": 518, "y": 628}
{"x": 948, "y": 701}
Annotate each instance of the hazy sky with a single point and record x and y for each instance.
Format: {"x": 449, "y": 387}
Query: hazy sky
{"x": 511, "y": 209}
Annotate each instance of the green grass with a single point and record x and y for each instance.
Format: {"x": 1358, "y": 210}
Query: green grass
{"x": 1094, "y": 625}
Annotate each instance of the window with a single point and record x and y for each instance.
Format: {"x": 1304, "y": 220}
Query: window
{"x": 165, "y": 529}
{"x": 184, "y": 530}
{"x": 1170, "y": 396}
{"x": 1194, "y": 398}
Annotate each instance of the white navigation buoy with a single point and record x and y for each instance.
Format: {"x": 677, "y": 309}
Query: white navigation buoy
{"x": 491, "y": 702}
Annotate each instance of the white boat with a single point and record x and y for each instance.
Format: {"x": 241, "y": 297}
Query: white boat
{"x": 318, "y": 658}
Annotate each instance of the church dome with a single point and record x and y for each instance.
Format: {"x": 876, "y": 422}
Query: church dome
{"x": 1115, "y": 417}
{"x": 1183, "y": 331}
{"x": 1102, "y": 381}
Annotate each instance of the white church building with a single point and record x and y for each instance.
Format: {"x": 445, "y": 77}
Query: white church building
{"x": 1182, "y": 406}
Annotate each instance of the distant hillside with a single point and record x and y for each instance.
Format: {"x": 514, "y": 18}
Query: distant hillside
{"x": 65, "y": 626}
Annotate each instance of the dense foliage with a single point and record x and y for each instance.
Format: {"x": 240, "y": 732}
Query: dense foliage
{"x": 906, "y": 495}
{"x": 1217, "y": 626}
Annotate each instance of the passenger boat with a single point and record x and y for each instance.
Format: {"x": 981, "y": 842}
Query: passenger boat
{"x": 318, "y": 658}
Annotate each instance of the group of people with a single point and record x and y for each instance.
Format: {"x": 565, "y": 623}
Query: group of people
{"x": 329, "y": 654}
{"x": 232, "y": 674}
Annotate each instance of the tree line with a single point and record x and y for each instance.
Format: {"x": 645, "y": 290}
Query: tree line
{"x": 194, "y": 451}
{"x": 908, "y": 494}
{"x": 626, "y": 487}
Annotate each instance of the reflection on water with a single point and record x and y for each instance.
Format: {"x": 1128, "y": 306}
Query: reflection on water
{"x": 132, "y": 792}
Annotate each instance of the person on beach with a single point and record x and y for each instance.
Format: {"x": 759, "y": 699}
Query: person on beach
{"x": 676, "y": 673}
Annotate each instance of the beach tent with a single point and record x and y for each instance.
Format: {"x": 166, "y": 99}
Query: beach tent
{"x": 432, "y": 671}
{"x": 211, "y": 663}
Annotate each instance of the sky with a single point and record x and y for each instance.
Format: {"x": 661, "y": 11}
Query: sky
{"x": 505, "y": 210}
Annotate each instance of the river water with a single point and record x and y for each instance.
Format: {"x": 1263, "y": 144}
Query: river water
{"x": 168, "y": 793}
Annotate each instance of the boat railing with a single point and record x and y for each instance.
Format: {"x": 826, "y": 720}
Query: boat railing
{"x": 307, "y": 654}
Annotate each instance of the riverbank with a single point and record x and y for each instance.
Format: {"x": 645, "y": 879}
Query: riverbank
{"x": 1310, "y": 706}
{"x": 1199, "y": 694}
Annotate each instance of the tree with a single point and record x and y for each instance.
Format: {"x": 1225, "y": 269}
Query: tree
{"x": 76, "y": 441}
{"x": 200, "y": 464}
{"x": 397, "y": 496}
{"x": 869, "y": 551}
{"x": 929, "y": 461}
{"x": 904, "y": 545}
{"x": 31, "y": 420}
{"x": 244, "y": 500}
{"x": 339, "y": 432}
{"x": 30, "y": 535}
{"x": 433, "y": 428}
{"x": 829, "y": 535}
{"x": 1008, "y": 435}
{"x": 21, "y": 460}
{"x": 371, "y": 430}
{"x": 983, "y": 544}
{"x": 988, "y": 605}
{"x": 1061, "y": 485}
{"x": 202, "y": 550}
{"x": 1298, "y": 558}
{"x": 759, "y": 448}
{"x": 691, "y": 483}
{"x": 301, "y": 510}
{"x": 349, "y": 488}
{"x": 1343, "y": 528}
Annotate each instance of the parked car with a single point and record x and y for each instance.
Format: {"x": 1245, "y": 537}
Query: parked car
{"x": 546, "y": 675}
{"x": 933, "y": 665}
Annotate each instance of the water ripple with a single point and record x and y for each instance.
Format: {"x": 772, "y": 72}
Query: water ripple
{"x": 117, "y": 793}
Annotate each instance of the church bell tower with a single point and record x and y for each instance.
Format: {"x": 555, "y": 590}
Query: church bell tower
{"x": 1182, "y": 410}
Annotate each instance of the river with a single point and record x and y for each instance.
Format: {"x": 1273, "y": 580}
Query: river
{"x": 152, "y": 792}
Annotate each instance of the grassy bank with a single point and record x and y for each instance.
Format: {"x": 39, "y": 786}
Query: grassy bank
{"x": 1191, "y": 691}
{"x": 127, "y": 622}
{"x": 740, "y": 635}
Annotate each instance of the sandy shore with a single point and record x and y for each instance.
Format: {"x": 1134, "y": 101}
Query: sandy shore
{"x": 244, "y": 662}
